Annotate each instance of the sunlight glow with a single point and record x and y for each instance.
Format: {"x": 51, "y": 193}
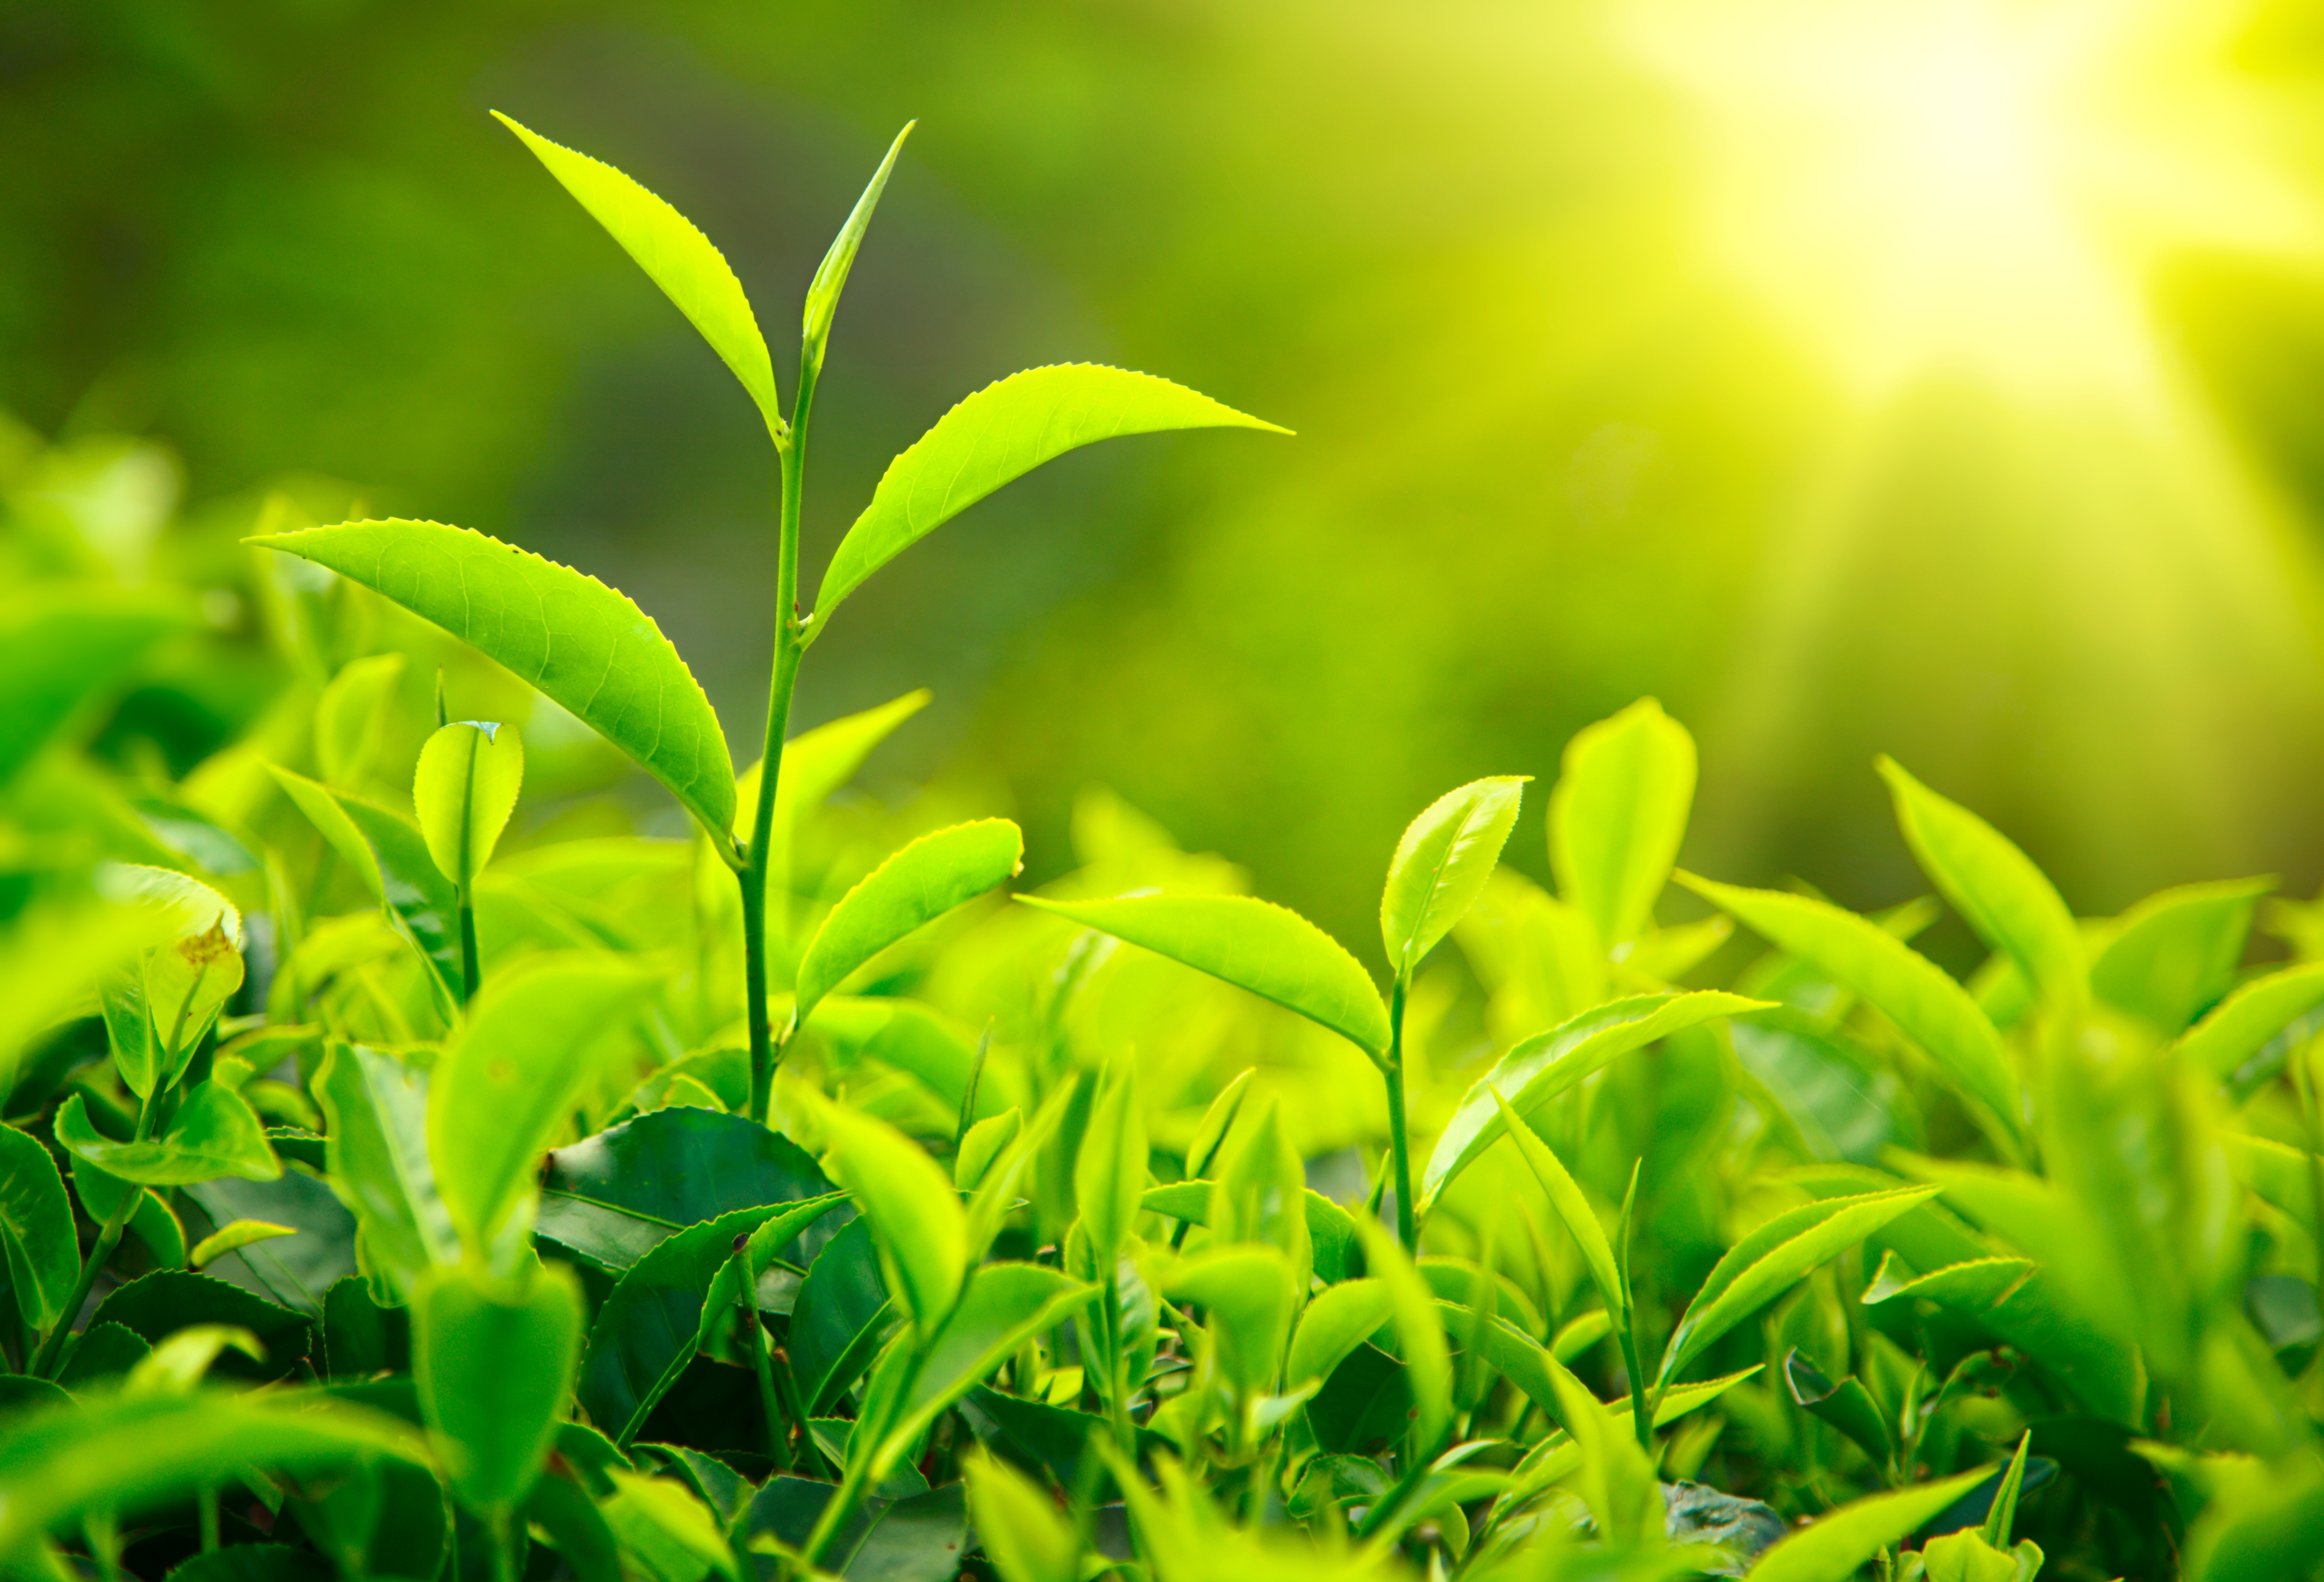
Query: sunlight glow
{"x": 1973, "y": 185}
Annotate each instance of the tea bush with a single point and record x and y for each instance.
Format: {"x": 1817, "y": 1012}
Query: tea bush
{"x": 421, "y": 1162}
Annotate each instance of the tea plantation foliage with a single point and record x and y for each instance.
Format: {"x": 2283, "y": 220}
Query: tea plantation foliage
{"x": 412, "y": 1168}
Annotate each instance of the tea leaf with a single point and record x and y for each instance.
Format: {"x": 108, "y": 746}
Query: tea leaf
{"x": 36, "y": 1230}
{"x": 492, "y": 1366}
{"x": 1340, "y": 1319}
{"x": 2175, "y": 954}
{"x": 376, "y": 1151}
{"x": 916, "y": 1216}
{"x": 1004, "y": 1305}
{"x": 464, "y": 790}
{"x": 1994, "y": 885}
{"x": 1000, "y": 433}
{"x": 915, "y": 887}
{"x": 1110, "y": 1174}
{"x": 154, "y": 1023}
{"x": 840, "y": 1316}
{"x": 1618, "y": 1482}
{"x": 214, "y": 1132}
{"x": 233, "y": 1237}
{"x": 1848, "y": 1406}
{"x": 350, "y": 717}
{"x": 1841, "y": 1540}
{"x": 1549, "y": 1063}
{"x": 584, "y": 645}
{"x": 507, "y": 1082}
{"x": 816, "y": 763}
{"x": 1247, "y": 1293}
{"x": 2240, "y": 1026}
{"x": 61, "y": 646}
{"x": 1419, "y": 1333}
{"x": 680, "y": 257}
{"x": 1441, "y": 863}
{"x": 143, "y": 1452}
{"x": 1617, "y": 815}
{"x": 391, "y": 854}
{"x": 1904, "y": 986}
{"x": 1581, "y": 1220}
{"x": 831, "y": 274}
{"x": 1774, "y": 1257}
{"x": 1269, "y": 950}
{"x": 1024, "y": 1537}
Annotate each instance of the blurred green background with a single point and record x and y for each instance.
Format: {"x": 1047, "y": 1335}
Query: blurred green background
{"x": 1920, "y": 376}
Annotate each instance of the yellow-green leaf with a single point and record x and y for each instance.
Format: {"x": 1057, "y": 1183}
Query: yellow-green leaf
{"x": 1839, "y": 1543}
{"x": 831, "y": 274}
{"x": 915, "y": 886}
{"x": 233, "y": 1237}
{"x": 581, "y": 642}
{"x": 1000, "y": 433}
{"x": 916, "y": 1216}
{"x": 1441, "y": 866}
{"x": 680, "y": 257}
{"x": 464, "y": 791}
{"x": 1253, "y": 944}
{"x": 1617, "y": 815}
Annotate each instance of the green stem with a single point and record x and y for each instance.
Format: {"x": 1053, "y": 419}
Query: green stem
{"x": 844, "y": 1500}
{"x": 507, "y": 1533}
{"x": 472, "y": 975}
{"x": 209, "y": 1518}
{"x": 1642, "y": 1416}
{"x": 108, "y": 1237}
{"x": 1398, "y": 1129}
{"x": 790, "y": 643}
{"x": 754, "y": 1335}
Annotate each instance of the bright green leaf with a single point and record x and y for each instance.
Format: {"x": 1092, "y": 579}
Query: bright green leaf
{"x": 1839, "y": 1543}
{"x": 1269, "y": 950}
{"x": 1340, "y": 1319}
{"x": 1000, "y": 433}
{"x": 1617, "y": 1482}
{"x": 494, "y": 1364}
{"x": 1617, "y": 815}
{"x": 1247, "y": 1293}
{"x": 376, "y": 1151}
{"x": 507, "y": 1084}
{"x": 233, "y": 1237}
{"x": 680, "y": 257}
{"x": 391, "y": 854}
{"x": 1110, "y": 1171}
{"x": 62, "y": 646}
{"x": 831, "y": 274}
{"x": 1771, "y": 1259}
{"x": 915, "y": 1214}
{"x": 584, "y": 645}
{"x": 464, "y": 790}
{"x": 351, "y": 716}
{"x": 1025, "y": 1537}
{"x": 1995, "y": 887}
{"x": 36, "y": 1230}
{"x": 1581, "y": 1220}
{"x": 915, "y": 887}
{"x": 1419, "y": 1334}
{"x": 2243, "y": 1024}
{"x": 154, "y": 1021}
{"x": 1904, "y": 986}
{"x": 1549, "y": 1063}
{"x": 2175, "y": 954}
{"x": 214, "y": 1132}
{"x": 1441, "y": 865}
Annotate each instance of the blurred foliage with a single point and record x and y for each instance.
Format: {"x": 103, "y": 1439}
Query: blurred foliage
{"x": 1561, "y": 445}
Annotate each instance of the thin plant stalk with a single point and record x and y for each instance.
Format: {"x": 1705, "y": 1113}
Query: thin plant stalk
{"x": 108, "y": 1237}
{"x": 790, "y": 643}
{"x": 1399, "y": 1142}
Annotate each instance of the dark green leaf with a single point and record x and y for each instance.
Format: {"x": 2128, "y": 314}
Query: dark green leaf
{"x": 840, "y": 1318}
{"x": 293, "y": 1270}
{"x": 613, "y": 1196}
{"x": 1000, "y": 433}
{"x": 102, "y": 1353}
{"x": 1848, "y": 1406}
{"x": 360, "y": 1338}
{"x": 158, "y": 1305}
{"x": 1840, "y": 1541}
{"x": 583, "y": 644}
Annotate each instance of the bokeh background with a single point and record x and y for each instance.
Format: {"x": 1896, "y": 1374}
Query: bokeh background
{"x": 1937, "y": 377}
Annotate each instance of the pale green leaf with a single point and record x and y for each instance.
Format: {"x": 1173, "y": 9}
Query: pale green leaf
{"x": 233, "y": 1237}
{"x": 1549, "y": 1063}
{"x": 1771, "y": 1259}
{"x": 1269, "y": 950}
{"x": 1617, "y": 815}
{"x": 154, "y": 1021}
{"x": 1581, "y": 1220}
{"x": 389, "y": 853}
{"x": 914, "y": 887}
{"x": 1024, "y": 1535}
{"x": 916, "y": 1216}
{"x": 584, "y": 645}
{"x": 1441, "y": 866}
{"x": 831, "y": 274}
{"x": 1999, "y": 893}
{"x": 1000, "y": 433}
{"x": 2244, "y": 1023}
{"x": 507, "y": 1082}
{"x": 1248, "y": 1293}
{"x": 2172, "y": 956}
{"x": 351, "y": 717}
{"x": 1839, "y": 1543}
{"x": 1912, "y": 991}
{"x": 62, "y": 648}
{"x": 1340, "y": 1319}
{"x": 680, "y": 257}
{"x": 464, "y": 790}
{"x": 1110, "y": 1170}
{"x": 213, "y": 1133}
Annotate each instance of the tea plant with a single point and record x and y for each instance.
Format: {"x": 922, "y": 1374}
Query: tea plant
{"x": 413, "y": 1171}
